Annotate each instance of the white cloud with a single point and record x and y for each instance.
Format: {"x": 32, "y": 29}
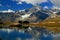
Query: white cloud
{"x": 7, "y": 30}
{"x": 55, "y": 7}
{"x": 21, "y": 31}
{"x": 56, "y": 35}
{"x": 9, "y": 10}
{"x": 56, "y": 2}
{"x": 46, "y": 7}
{"x": 19, "y": 3}
{"x": 34, "y": 2}
{"x": 18, "y": 39}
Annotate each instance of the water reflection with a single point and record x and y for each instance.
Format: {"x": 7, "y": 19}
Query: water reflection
{"x": 25, "y": 34}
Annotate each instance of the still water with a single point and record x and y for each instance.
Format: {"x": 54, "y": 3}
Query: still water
{"x": 34, "y": 34}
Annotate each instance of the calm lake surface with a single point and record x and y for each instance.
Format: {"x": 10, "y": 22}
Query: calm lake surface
{"x": 13, "y": 34}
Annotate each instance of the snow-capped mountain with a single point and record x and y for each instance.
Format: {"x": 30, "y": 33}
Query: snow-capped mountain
{"x": 37, "y": 13}
{"x": 34, "y": 14}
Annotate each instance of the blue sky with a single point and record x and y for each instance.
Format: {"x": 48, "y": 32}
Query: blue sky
{"x": 9, "y": 4}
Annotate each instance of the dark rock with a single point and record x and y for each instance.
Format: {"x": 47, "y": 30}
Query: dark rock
{"x": 25, "y": 22}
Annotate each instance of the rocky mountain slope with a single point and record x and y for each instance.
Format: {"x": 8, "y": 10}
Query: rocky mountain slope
{"x": 34, "y": 14}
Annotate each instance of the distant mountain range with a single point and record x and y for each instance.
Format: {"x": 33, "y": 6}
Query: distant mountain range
{"x": 33, "y": 14}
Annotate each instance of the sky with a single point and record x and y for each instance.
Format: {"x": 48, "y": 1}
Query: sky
{"x": 23, "y": 4}
{"x": 56, "y": 2}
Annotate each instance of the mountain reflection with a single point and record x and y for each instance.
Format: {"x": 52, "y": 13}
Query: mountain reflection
{"x": 25, "y": 34}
